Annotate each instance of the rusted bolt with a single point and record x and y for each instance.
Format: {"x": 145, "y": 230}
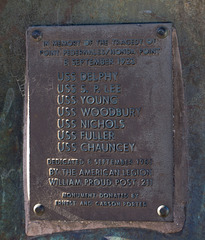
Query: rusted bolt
{"x": 162, "y": 32}
{"x": 39, "y": 209}
{"x": 163, "y": 211}
{"x": 37, "y": 35}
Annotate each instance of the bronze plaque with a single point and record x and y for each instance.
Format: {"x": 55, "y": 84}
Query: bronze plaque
{"x": 99, "y": 123}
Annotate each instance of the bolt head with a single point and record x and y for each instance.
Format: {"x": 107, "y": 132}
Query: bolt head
{"x": 37, "y": 35}
{"x": 39, "y": 209}
{"x": 162, "y": 32}
{"x": 163, "y": 211}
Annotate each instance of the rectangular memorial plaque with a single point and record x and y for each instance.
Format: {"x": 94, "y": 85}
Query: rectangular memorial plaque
{"x": 99, "y": 124}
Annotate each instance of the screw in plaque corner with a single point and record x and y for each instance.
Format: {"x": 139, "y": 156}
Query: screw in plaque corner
{"x": 162, "y": 32}
{"x": 37, "y": 35}
{"x": 39, "y": 209}
{"x": 163, "y": 211}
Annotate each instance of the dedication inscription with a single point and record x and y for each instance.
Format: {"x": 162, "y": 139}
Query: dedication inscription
{"x": 100, "y": 123}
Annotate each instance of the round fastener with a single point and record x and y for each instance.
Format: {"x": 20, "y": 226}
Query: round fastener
{"x": 37, "y": 35}
{"x": 162, "y": 32}
{"x": 39, "y": 209}
{"x": 163, "y": 211}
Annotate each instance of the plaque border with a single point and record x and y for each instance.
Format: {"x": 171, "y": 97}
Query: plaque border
{"x": 43, "y": 227}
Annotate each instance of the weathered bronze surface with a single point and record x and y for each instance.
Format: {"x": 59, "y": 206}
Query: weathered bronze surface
{"x": 99, "y": 135}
